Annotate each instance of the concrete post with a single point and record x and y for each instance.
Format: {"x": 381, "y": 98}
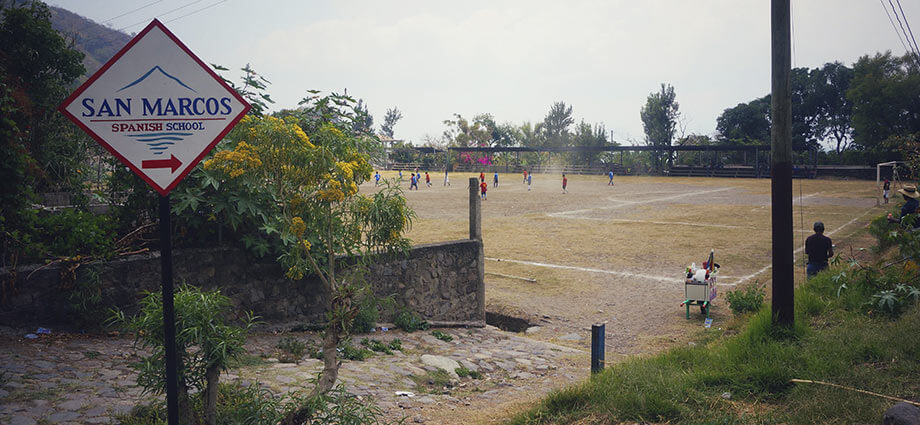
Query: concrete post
{"x": 475, "y": 210}
{"x": 476, "y": 235}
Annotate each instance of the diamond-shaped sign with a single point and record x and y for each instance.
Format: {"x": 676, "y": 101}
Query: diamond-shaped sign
{"x": 156, "y": 107}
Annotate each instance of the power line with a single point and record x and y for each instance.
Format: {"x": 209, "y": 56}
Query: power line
{"x": 917, "y": 48}
{"x": 893, "y": 26}
{"x": 199, "y": 10}
{"x": 896, "y": 16}
{"x": 132, "y": 11}
{"x": 161, "y": 14}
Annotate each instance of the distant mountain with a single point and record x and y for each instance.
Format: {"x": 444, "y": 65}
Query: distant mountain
{"x": 98, "y": 42}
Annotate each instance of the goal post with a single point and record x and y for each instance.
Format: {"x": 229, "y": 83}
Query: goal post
{"x": 878, "y": 178}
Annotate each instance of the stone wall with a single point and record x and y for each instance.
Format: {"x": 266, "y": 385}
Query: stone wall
{"x": 443, "y": 282}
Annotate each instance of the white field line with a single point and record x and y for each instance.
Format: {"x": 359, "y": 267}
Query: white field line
{"x": 667, "y": 279}
{"x": 797, "y": 251}
{"x": 667, "y": 223}
{"x": 622, "y": 203}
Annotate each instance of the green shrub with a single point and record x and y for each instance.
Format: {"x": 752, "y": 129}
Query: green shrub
{"x": 745, "y": 300}
{"x": 85, "y": 297}
{"x": 255, "y": 405}
{"x": 70, "y": 233}
{"x": 442, "y": 336}
{"x": 395, "y": 344}
{"x": 378, "y": 346}
{"x": 409, "y": 321}
{"x": 205, "y": 342}
{"x": 292, "y": 349}
{"x": 350, "y": 352}
{"x": 368, "y": 314}
{"x": 883, "y": 232}
{"x": 464, "y": 372}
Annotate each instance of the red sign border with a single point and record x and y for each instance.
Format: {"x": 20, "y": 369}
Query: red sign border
{"x": 73, "y": 96}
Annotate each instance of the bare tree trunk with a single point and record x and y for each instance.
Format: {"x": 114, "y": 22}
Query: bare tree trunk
{"x": 210, "y": 407}
{"x": 186, "y": 416}
{"x": 330, "y": 361}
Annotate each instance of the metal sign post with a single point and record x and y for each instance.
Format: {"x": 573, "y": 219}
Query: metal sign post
{"x": 159, "y": 109}
{"x": 169, "y": 316}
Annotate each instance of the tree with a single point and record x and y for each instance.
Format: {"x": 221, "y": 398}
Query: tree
{"x": 389, "y": 121}
{"x": 746, "y": 123}
{"x": 461, "y": 132}
{"x": 885, "y": 97}
{"x": 364, "y": 121}
{"x": 587, "y": 136}
{"x": 660, "y": 120}
{"x": 556, "y": 125}
{"x": 833, "y": 81}
{"x": 307, "y": 192}
{"x": 40, "y": 149}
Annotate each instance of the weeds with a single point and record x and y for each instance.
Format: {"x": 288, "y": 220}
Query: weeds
{"x": 745, "y": 300}
{"x": 442, "y": 336}
{"x": 409, "y": 321}
{"x": 292, "y": 349}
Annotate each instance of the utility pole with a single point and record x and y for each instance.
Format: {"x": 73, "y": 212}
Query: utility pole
{"x": 781, "y": 167}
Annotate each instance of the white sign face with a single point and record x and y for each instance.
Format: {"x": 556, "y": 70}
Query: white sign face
{"x": 156, "y": 107}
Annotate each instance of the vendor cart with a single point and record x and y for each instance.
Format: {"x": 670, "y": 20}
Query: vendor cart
{"x": 700, "y": 285}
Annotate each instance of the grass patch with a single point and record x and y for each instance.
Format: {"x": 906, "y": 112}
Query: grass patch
{"x": 834, "y": 340}
{"x": 442, "y": 336}
{"x": 433, "y": 381}
{"x": 464, "y": 372}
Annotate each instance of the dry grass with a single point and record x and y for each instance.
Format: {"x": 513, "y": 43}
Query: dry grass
{"x": 643, "y": 225}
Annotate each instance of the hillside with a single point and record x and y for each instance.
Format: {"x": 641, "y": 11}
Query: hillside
{"x": 96, "y": 41}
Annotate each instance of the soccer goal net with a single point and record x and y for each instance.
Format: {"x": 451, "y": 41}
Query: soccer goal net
{"x": 891, "y": 171}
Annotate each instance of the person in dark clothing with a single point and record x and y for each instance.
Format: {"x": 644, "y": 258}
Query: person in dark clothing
{"x": 886, "y": 187}
{"x": 818, "y": 248}
{"x": 910, "y": 202}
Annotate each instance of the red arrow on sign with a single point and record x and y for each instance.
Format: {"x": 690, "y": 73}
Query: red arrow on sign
{"x": 172, "y": 163}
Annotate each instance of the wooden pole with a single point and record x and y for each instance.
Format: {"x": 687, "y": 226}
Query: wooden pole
{"x": 781, "y": 187}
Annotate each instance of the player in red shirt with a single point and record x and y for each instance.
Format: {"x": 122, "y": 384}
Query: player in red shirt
{"x": 565, "y": 182}
{"x": 482, "y": 176}
{"x": 483, "y": 187}
{"x": 427, "y": 179}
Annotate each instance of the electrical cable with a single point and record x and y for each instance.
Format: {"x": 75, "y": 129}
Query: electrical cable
{"x": 199, "y": 10}
{"x": 893, "y": 26}
{"x": 903, "y": 31}
{"x": 916, "y": 48}
{"x": 132, "y": 11}
{"x": 161, "y": 14}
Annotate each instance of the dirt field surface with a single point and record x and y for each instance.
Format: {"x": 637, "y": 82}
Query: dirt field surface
{"x": 616, "y": 254}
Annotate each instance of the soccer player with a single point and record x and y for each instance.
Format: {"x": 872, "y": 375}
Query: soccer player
{"x": 495, "y": 180}
{"x": 482, "y": 176}
{"x": 525, "y": 176}
{"x": 529, "y": 181}
{"x": 427, "y": 179}
{"x": 376, "y": 178}
{"x": 885, "y": 188}
{"x": 565, "y": 182}
{"x": 483, "y": 187}
{"x": 610, "y": 176}
{"x": 446, "y": 179}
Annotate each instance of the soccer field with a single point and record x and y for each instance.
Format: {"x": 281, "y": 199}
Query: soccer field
{"x": 616, "y": 254}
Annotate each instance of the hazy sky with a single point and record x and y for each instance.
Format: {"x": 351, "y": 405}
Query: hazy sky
{"x": 513, "y": 59}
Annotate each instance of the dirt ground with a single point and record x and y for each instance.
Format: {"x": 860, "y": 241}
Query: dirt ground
{"x": 616, "y": 254}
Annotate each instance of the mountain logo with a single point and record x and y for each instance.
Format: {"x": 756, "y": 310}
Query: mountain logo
{"x": 148, "y": 73}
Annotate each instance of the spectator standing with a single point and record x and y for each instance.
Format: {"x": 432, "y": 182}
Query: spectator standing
{"x": 818, "y": 248}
